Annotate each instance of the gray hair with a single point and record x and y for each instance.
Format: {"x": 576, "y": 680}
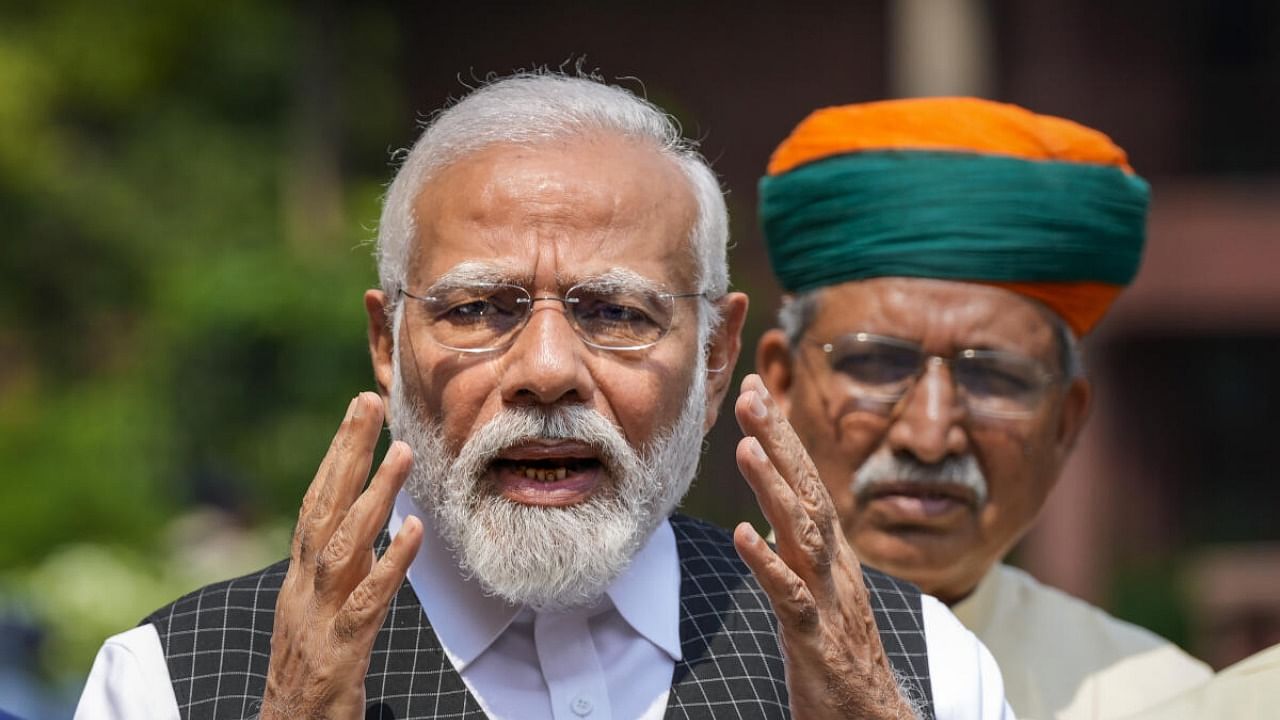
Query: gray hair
{"x": 535, "y": 107}
{"x": 798, "y": 311}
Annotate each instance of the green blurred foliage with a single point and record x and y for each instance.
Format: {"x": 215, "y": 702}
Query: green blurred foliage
{"x": 186, "y": 189}
{"x": 1147, "y": 592}
{"x": 81, "y": 593}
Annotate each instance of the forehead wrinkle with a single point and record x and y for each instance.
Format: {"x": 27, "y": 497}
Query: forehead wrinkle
{"x": 541, "y": 242}
{"x": 615, "y": 279}
{"x": 942, "y": 319}
{"x": 540, "y": 199}
{"x": 1012, "y": 324}
{"x": 952, "y": 326}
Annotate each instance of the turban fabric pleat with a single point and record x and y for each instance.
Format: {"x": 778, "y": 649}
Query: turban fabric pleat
{"x": 957, "y": 189}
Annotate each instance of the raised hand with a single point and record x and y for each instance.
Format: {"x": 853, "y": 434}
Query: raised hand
{"x": 836, "y": 664}
{"x": 336, "y": 592}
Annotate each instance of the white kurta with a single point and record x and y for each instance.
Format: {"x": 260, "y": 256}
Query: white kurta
{"x": 1065, "y": 659}
{"x": 1248, "y": 690}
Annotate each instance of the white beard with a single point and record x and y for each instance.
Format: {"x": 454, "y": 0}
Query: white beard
{"x": 548, "y": 558}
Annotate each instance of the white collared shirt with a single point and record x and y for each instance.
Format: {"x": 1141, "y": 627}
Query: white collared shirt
{"x": 524, "y": 664}
{"x": 614, "y": 660}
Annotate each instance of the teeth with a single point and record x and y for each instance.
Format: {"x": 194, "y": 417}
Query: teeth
{"x": 543, "y": 474}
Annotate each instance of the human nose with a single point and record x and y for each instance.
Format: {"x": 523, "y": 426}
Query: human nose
{"x": 928, "y": 421}
{"x": 545, "y": 363}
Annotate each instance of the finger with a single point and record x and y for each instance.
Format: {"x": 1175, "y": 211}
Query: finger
{"x": 340, "y": 477}
{"x": 777, "y": 500}
{"x": 792, "y": 602}
{"x": 350, "y": 467}
{"x": 365, "y": 609}
{"x": 347, "y": 558}
{"x": 301, "y": 544}
{"x": 760, "y": 417}
{"x": 800, "y": 542}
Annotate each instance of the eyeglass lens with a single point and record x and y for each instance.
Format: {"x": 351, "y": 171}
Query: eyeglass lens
{"x": 991, "y": 382}
{"x": 489, "y": 316}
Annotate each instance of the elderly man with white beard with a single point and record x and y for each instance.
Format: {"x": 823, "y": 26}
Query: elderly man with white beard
{"x": 551, "y": 340}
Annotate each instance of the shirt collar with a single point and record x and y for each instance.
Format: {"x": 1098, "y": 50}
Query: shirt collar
{"x": 647, "y": 593}
{"x": 978, "y": 609}
{"x": 467, "y": 620}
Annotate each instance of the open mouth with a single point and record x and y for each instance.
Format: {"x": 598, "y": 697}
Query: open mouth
{"x": 549, "y": 470}
{"x": 552, "y": 473}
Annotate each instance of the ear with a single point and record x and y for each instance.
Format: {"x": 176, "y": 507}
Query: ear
{"x": 722, "y": 354}
{"x": 774, "y": 364}
{"x": 1076, "y": 404}
{"x": 381, "y": 341}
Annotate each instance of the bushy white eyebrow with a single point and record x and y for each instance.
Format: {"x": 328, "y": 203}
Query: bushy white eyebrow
{"x": 618, "y": 280}
{"x": 471, "y": 273}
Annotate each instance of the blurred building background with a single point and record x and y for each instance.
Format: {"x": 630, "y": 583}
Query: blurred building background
{"x": 187, "y": 190}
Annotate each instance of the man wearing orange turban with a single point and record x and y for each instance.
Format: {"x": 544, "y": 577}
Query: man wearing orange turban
{"x": 942, "y": 258}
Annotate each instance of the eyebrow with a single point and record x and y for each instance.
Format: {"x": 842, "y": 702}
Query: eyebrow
{"x": 471, "y": 273}
{"x": 620, "y": 280}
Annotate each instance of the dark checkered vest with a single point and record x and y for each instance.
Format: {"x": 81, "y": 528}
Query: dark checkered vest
{"x": 217, "y": 642}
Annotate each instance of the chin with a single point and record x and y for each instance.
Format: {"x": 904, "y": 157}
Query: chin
{"x": 928, "y": 560}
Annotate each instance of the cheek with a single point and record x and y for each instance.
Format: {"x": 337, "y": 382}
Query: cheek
{"x": 642, "y": 404}
{"x": 1018, "y": 479}
{"x": 838, "y": 445}
{"x": 461, "y": 395}
{"x": 466, "y": 404}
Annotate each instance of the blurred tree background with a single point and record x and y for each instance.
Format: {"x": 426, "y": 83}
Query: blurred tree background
{"x": 189, "y": 192}
{"x": 186, "y": 190}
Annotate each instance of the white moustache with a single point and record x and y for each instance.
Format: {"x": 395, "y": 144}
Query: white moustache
{"x": 519, "y": 425}
{"x": 887, "y": 468}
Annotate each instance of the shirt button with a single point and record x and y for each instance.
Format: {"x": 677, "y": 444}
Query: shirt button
{"x": 582, "y": 706}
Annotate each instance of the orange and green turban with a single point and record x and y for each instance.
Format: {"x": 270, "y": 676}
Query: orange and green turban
{"x": 956, "y": 189}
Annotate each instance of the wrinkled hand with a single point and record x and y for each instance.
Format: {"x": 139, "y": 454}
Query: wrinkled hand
{"x": 836, "y": 664}
{"x": 336, "y": 592}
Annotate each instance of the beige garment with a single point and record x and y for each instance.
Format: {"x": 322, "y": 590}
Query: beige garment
{"x": 1248, "y": 690}
{"x": 1065, "y": 659}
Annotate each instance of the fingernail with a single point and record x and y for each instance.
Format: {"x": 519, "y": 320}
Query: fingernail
{"x": 758, "y": 450}
{"x": 753, "y": 537}
{"x": 351, "y": 407}
{"x": 757, "y": 405}
{"x": 357, "y": 407}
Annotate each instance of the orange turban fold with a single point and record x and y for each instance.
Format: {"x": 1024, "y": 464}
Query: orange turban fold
{"x": 956, "y": 188}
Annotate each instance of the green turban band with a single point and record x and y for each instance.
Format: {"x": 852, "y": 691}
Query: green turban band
{"x": 952, "y": 215}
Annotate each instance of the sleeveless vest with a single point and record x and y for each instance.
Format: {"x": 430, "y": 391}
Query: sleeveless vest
{"x": 217, "y": 643}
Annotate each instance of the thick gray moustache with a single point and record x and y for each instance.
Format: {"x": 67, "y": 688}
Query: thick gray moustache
{"x": 524, "y": 425}
{"x": 882, "y": 469}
